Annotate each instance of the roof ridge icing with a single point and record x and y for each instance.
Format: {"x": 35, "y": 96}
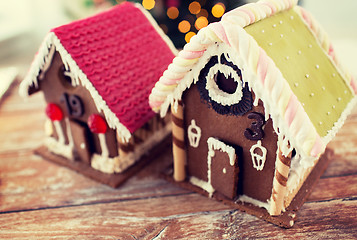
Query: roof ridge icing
{"x": 291, "y": 122}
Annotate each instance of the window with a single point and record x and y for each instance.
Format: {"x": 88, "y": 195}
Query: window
{"x": 221, "y": 86}
{"x": 65, "y": 77}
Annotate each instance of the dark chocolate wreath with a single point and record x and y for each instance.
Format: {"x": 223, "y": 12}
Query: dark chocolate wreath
{"x": 240, "y": 108}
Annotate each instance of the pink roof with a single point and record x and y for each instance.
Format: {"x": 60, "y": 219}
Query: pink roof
{"x": 122, "y": 55}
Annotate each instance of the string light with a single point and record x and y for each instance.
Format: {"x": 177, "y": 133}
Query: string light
{"x": 218, "y": 10}
{"x": 201, "y": 22}
{"x": 194, "y": 7}
{"x": 172, "y": 12}
{"x": 188, "y": 36}
{"x": 148, "y": 4}
{"x": 184, "y": 26}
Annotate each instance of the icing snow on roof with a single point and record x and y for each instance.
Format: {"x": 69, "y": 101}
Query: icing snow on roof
{"x": 118, "y": 55}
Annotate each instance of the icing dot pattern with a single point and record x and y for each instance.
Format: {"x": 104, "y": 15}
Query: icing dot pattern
{"x": 310, "y": 74}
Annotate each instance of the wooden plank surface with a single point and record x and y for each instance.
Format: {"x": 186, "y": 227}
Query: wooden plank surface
{"x": 40, "y": 200}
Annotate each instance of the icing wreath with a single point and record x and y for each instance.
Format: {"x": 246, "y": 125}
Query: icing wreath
{"x": 237, "y": 103}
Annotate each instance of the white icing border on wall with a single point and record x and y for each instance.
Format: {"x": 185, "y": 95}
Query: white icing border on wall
{"x": 119, "y": 164}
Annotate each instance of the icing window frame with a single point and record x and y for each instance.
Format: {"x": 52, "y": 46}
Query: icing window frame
{"x": 65, "y": 77}
{"x": 213, "y": 96}
{"x": 218, "y": 95}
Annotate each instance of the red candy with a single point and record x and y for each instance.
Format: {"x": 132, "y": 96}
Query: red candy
{"x": 54, "y": 112}
{"x": 97, "y": 124}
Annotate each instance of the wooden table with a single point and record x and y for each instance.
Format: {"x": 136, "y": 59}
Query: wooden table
{"x": 39, "y": 199}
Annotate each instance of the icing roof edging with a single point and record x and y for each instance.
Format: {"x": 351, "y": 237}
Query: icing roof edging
{"x": 79, "y": 78}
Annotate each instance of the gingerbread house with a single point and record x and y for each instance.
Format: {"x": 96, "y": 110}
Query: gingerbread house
{"x": 96, "y": 75}
{"x": 255, "y": 99}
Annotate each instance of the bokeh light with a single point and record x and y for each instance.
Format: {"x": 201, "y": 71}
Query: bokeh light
{"x": 184, "y": 26}
{"x": 218, "y": 10}
{"x": 194, "y": 7}
{"x": 172, "y": 12}
{"x": 148, "y": 4}
{"x": 201, "y": 22}
{"x": 188, "y": 36}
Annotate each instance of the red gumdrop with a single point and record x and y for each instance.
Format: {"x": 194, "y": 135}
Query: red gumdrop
{"x": 97, "y": 124}
{"x": 54, "y": 112}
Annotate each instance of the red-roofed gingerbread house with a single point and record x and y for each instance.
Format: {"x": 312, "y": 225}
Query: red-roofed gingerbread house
{"x": 255, "y": 98}
{"x": 96, "y": 75}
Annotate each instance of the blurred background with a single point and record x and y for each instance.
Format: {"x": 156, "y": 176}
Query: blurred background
{"x": 24, "y": 23}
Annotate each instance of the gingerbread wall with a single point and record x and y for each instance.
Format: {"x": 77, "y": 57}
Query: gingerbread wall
{"x": 229, "y": 129}
{"x": 57, "y": 89}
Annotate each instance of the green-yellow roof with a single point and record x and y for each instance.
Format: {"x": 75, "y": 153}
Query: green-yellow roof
{"x": 312, "y": 76}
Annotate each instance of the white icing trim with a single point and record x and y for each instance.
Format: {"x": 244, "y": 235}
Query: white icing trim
{"x": 69, "y": 133}
{"x": 48, "y": 127}
{"x": 120, "y": 164}
{"x": 103, "y": 145}
{"x": 78, "y": 78}
{"x": 202, "y": 184}
{"x": 59, "y": 131}
{"x": 217, "y": 94}
{"x": 245, "y": 198}
{"x": 215, "y": 144}
{"x": 103, "y": 164}
{"x": 257, "y": 159}
{"x": 59, "y": 148}
{"x": 194, "y": 134}
{"x": 48, "y": 61}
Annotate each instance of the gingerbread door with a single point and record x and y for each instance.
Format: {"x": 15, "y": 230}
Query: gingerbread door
{"x": 223, "y": 166}
{"x": 80, "y": 141}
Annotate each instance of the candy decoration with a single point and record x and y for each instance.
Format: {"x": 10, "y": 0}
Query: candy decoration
{"x": 255, "y": 132}
{"x": 178, "y": 143}
{"x": 282, "y": 168}
{"x": 54, "y": 112}
{"x": 98, "y": 125}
